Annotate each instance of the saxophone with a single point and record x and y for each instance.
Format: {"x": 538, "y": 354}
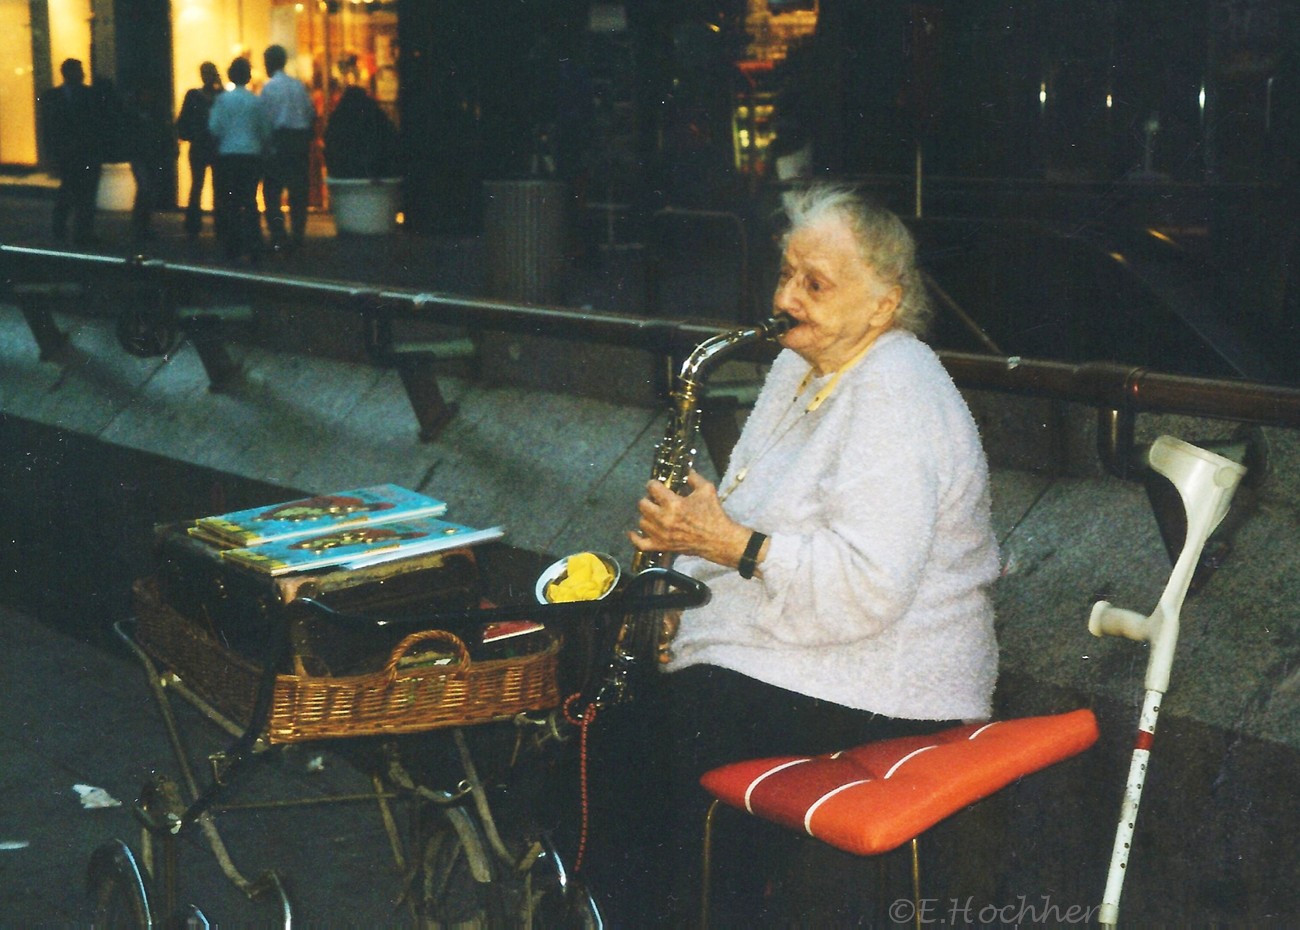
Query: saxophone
{"x": 644, "y": 638}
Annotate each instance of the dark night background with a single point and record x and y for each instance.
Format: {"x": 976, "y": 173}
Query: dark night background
{"x": 1104, "y": 153}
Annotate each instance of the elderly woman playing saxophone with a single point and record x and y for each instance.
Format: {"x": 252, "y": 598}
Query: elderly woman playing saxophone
{"x": 848, "y": 545}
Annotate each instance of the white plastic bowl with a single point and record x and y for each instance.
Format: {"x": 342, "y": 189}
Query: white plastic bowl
{"x": 555, "y": 571}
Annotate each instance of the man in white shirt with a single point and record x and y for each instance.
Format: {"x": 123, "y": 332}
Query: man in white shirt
{"x": 293, "y": 125}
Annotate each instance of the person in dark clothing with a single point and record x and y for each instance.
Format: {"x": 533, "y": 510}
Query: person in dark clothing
{"x": 360, "y": 140}
{"x": 112, "y": 123}
{"x": 192, "y": 127}
{"x": 74, "y": 134}
{"x": 151, "y": 149}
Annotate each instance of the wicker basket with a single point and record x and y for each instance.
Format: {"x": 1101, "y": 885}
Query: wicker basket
{"x": 400, "y": 698}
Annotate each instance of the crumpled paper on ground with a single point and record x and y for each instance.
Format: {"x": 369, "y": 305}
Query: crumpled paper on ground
{"x": 92, "y": 797}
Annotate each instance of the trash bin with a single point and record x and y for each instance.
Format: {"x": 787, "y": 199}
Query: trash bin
{"x": 524, "y": 223}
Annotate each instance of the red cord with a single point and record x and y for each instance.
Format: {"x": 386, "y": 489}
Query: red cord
{"x": 584, "y": 723}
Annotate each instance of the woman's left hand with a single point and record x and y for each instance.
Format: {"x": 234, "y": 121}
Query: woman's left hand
{"x": 691, "y": 524}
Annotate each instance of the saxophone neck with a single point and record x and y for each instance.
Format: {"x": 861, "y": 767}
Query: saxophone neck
{"x": 712, "y": 348}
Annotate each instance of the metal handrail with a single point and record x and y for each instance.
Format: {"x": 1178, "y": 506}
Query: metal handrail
{"x": 663, "y": 335}
{"x": 1120, "y": 390}
{"x": 1110, "y": 385}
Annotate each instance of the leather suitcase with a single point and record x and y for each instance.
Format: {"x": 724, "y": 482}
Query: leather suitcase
{"x": 249, "y": 612}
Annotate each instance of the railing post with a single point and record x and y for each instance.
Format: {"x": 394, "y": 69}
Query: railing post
{"x": 415, "y": 362}
{"x": 1115, "y": 440}
{"x": 204, "y": 331}
{"x": 34, "y": 302}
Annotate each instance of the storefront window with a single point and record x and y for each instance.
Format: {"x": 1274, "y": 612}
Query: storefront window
{"x": 17, "y": 92}
{"x": 70, "y": 22}
{"x": 773, "y": 27}
{"x": 331, "y": 44}
{"x": 69, "y": 37}
{"x": 355, "y": 44}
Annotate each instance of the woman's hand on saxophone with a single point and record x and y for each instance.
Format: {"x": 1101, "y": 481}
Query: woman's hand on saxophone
{"x": 691, "y": 524}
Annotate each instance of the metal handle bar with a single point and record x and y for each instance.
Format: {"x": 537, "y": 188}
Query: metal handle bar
{"x": 636, "y": 596}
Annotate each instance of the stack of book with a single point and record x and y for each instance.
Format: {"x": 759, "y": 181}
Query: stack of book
{"x": 351, "y": 529}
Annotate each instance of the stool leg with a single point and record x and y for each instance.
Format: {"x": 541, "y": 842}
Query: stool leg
{"x": 706, "y": 862}
{"x": 916, "y": 880}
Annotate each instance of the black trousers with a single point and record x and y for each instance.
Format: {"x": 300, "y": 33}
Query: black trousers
{"x": 236, "y": 178}
{"x": 76, "y": 197}
{"x": 286, "y": 174}
{"x": 649, "y": 819}
{"x": 201, "y": 162}
{"x": 150, "y": 180}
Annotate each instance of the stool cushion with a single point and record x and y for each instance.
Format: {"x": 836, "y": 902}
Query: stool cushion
{"x": 876, "y": 797}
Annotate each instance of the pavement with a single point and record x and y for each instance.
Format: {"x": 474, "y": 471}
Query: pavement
{"x": 81, "y": 717}
{"x": 99, "y": 446}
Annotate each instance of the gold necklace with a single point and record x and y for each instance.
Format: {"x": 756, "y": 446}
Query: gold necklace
{"x": 778, "y": 433}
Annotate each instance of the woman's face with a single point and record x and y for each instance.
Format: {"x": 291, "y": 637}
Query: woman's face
{"x": 838, "y": 303}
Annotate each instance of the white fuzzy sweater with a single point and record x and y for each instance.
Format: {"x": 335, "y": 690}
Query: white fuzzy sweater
{"x": 873, "y": 592}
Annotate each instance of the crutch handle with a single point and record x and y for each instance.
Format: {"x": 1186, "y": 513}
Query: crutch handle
{"x": 1106, "y": 620}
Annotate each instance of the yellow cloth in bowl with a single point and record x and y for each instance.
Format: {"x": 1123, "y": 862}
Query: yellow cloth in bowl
{"x": 585, "y": 578}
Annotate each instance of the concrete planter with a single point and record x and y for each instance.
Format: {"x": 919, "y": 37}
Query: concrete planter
{"x": 367, "y": 206}
{"x": 116, "y": 187}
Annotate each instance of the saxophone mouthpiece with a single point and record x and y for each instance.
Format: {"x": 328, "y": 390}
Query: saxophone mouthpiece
{"x": 778, "y": 324}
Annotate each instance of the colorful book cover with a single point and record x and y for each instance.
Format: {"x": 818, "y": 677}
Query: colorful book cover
{"x": 360, "y": 546}
{"x": 311, "y": 516}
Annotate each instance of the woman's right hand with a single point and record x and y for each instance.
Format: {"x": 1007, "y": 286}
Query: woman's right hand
{"x": 689, "y": 524}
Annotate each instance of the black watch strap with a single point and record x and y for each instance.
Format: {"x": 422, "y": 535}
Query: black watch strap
{"x": 749, "y": 561}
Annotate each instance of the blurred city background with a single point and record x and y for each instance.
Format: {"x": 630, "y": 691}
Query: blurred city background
{"x": 1134, "y": 155}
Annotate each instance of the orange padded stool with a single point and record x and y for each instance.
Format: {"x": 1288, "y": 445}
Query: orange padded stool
{"x": 874, "y": 798}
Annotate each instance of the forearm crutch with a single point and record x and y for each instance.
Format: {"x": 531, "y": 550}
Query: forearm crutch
{"x": 1205, "y": 482}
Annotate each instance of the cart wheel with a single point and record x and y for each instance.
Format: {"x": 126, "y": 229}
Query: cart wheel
{"x": 455, "y": 879}
{"x": 553, "y": 899}
{"x": 147, "y": 333}
{"x": 117, "y": 885}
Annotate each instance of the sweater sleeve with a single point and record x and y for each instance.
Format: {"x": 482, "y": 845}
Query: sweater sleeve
{"x": 855, "y": 571}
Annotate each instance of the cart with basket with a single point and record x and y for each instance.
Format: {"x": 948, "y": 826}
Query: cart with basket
{"x": 453, "y": 704}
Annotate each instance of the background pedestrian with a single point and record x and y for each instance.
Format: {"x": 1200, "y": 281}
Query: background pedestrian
{"x": 192, "y": 127}
{"x": 293, "y": 124}
{"x": 242, "y": 129}
{"x": 73, "y": 120}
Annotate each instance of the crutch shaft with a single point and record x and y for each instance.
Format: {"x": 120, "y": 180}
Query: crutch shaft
{"x": 1137, "y": 776}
